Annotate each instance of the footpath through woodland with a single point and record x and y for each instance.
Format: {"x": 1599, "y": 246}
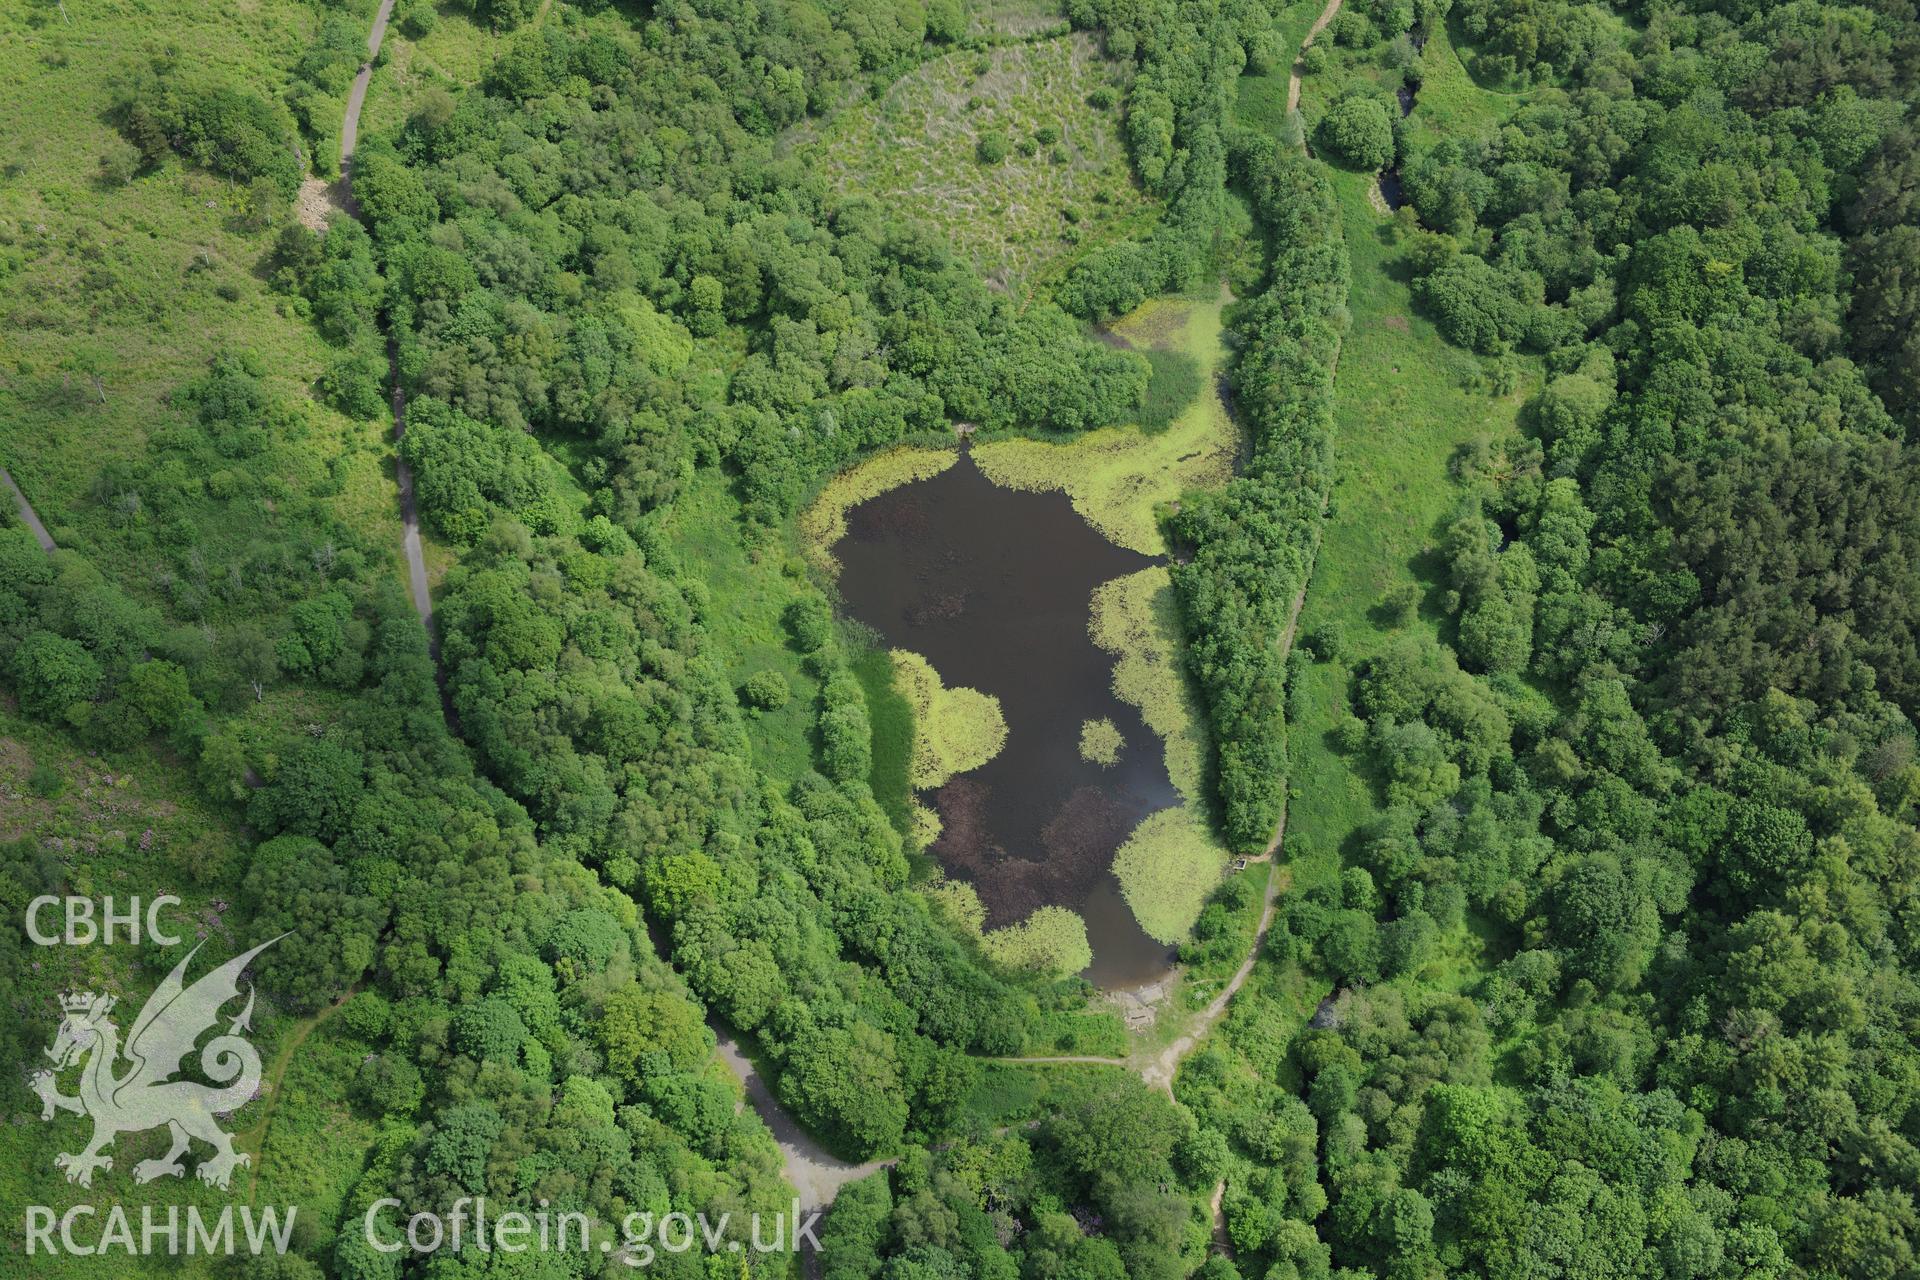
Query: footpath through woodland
{"x": 403, "y": 474}
{"x": 815, "y": 1173}
{"x": 28, "y": 516}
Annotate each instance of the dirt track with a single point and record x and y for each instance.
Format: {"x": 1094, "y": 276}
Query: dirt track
{"x": 28, "y": 516}
{"x": 1293, "y": 80}
{"x": 1160, "y": 1071}
{"x": 409, "y": 512}
{"x": 816, "y": 1173}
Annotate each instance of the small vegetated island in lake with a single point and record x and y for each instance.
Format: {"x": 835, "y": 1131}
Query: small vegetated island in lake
{"x": 1241, "y": 639}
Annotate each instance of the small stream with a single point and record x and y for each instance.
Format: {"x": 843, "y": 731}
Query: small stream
{"x": 1390, "y": 188}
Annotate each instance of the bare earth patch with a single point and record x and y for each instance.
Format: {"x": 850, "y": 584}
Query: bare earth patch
{"x": 318, "y": 200}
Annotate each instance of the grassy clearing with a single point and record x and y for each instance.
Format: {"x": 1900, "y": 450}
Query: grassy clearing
{"x": 146, "y": 281}
{"x": 1404, "y": 402}
{"x": 891, "y": 716}
{"x": 1291, "y": 22}
{"x": 1119, "y": 478}
{"x": 1262, "y": 102}
{"x": 456, "y": 53}
{"x": 748, "y": 588}
{"x": 1402, "y": 407}
{"x": 312, "y": 1152}
{"x": 1449, "y": 103}
{"x": 1012, "y": 1093}
{"x": 1175, "y": 382}
{"x": 1092, "y": 1032}
{"x": 1060, "y": 183}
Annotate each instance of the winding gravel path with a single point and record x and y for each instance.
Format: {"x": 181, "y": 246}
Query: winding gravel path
{"x": 28, "y": 516}
{"x": 357, "y": 96}
{"x": 403, "y": 474}
{"x": 816, "y": 1173}
{"x": 1159, "y": 1071}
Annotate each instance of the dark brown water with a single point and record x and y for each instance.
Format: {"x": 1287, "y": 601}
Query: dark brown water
{"x": 1390, "y": 189}
{"x": 994, "y": 587}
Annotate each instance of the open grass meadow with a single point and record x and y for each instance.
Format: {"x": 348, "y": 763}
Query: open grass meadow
{"x": 1262, "y": 96}
{"x": 1009, "y": 1094}
{"x": 891, "y": 716}
{"x": 1449, "y": 101}
{"x": 120, "y": 294}
{"x": 1094, "y": 1032}
{"x": 1003, "y": 150}
{"x": 749, "y": 585}
{"x": 1405, "y": 401}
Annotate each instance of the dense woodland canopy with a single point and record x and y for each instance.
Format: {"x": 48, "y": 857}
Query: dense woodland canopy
{"x": 1662, "y": 765}
{"x": 1623, "y": 974}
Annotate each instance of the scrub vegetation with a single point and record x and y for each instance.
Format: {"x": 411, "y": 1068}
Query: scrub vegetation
{"x": 1003, "y": 150}
{"x": 130, "y": 275}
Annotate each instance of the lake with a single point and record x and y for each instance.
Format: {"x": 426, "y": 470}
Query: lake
{"x": 993, "y": 586}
